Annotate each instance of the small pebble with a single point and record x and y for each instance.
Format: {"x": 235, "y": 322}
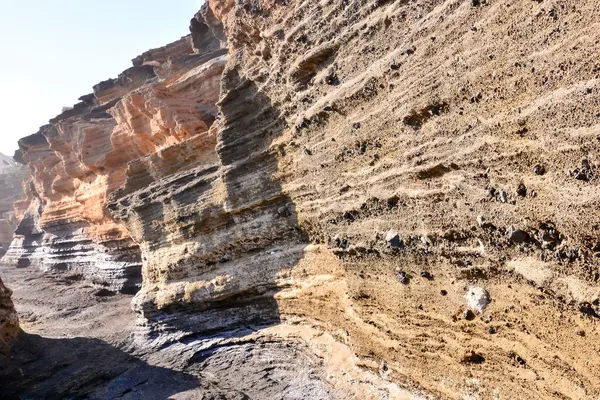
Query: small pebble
{"x": 539, "y": 169}
{"x": 473, "y": 358}
{"x": 477, "y": 299}
{"x": 402, "y": 277}
{"x": 468, "y": 315}
{"x": 393, "y": 239}
{"x": 518, "y": 235}
{"x": 426, "y": 275}
{"x": 483, "y": 223}
{"x": 426, "y": 240}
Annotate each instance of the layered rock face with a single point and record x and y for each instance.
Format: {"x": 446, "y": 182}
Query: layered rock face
{"x": 428, "y": 163}
{"x": 215, "y": 229}
{"x": 12, "y": 178}
{"x": 408, "y": 190}
{"x": 81, "y": 157}
{"x": 9, "y": 322}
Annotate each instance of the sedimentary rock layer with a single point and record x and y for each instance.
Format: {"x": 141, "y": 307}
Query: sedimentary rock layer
{"x": 473, "y": 137}
{"x": 422, "y": 150}
{"x": 81, "y": 157}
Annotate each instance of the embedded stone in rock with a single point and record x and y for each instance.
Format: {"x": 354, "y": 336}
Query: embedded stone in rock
{"x": 426, "y": 240}
{"x": 481, "y": 221}
{"x": 427, "y": 275}
{"x": 468, "y": 315}
{"x": 473, "y": 357}
{"x": 477, "y": 299}
{"x": 402, "y": 277}
{"x": 539, "y": 169}
{"x": 393, "y": 239}
{"x": 339, "y": 242}
{"x": 518, "y": 235}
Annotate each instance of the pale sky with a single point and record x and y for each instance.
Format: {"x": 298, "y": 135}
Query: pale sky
{"x": 54, "y": 51}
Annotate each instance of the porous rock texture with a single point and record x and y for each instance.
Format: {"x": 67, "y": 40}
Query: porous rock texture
{"x": 9, "y": 323}
{"x": 397, "y": 199}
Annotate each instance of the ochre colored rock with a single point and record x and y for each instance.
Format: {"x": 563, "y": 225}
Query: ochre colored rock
{"x": 341, "y": 121}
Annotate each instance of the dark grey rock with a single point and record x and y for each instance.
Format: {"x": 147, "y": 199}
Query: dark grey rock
{"x": 402, "y": 277}
{"x": 468, "y": 315}
{"x": 518, "y": 235}
{"x": 539, "y": 169}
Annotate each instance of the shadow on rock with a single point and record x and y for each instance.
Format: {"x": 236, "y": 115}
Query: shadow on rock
{"x": 44, "y": 368}
{"x": 237, "y": 232}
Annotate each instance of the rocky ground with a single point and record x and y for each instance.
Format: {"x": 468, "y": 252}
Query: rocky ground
{"x": 78, "y": 341}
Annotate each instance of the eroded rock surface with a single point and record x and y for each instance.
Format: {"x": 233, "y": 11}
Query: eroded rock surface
{"x": 398, "y": 199}
{"x": 9, "y": 323}
{"x": 12, "y": 178}
{"x": 81, "y": 157}
{"x": 78, "y": 344}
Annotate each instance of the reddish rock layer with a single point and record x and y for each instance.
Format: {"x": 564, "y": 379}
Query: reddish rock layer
{"x": 82, "y": 156}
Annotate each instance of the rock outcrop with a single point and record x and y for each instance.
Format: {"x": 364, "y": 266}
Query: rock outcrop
{"x": 9, "y": 323}
{"x": 403, "y": 192}
{"x": 81, "y": 157}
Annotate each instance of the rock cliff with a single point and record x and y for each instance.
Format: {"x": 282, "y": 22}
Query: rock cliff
{"x": 82, "y": 155}
{"x": 12, "y": 178}
{"x": 397, "y": 199}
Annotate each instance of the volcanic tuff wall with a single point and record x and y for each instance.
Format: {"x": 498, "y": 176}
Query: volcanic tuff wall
{"x": 347, "y": 174}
